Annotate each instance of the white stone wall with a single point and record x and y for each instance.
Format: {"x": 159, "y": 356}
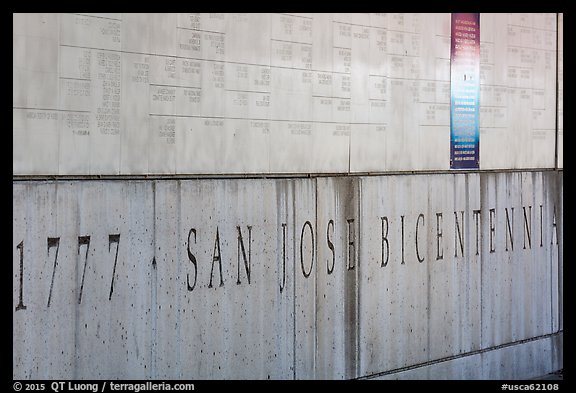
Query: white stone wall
{"x": 252, "y": 223}
{"x": 110, "y": 94}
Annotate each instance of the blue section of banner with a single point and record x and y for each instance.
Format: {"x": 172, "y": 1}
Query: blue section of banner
{"x": 465, "y": 91}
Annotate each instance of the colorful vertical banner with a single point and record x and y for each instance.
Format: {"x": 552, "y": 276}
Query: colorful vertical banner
{"x": 465, "y": 91}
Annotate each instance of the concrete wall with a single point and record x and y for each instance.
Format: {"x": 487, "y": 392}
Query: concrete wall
{"x": 560, "y": 100}
{"x": 423, "y": 276}
{"x": 314, "y": 272}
